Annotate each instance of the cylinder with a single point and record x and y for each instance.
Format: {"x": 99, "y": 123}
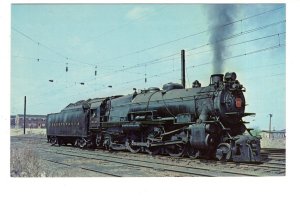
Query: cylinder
{"x": 198, "y": 136}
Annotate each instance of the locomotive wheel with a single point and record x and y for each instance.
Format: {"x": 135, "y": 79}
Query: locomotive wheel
{"x": 59, "y": 141}
{"x": 223, "y": 152}
{"x": 152, "y": 150}
{"x": 53, "y": 140}
{"x": 192, "y": 152}
{"x": 107, "y": 142}
{"x": 98, "y": 141}
{"x": 176, "y": 150}
{"x": 81, "y": 142}
{"x": 73, "y": 143}
{"x": 154, "y": 133}
{"x": 133, "y": 149}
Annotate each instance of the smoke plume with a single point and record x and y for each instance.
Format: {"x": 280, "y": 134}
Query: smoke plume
{"x": 219, "y": 15}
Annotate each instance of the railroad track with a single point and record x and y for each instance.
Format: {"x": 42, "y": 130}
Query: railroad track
{"x": 134, "y": 162}
{"x": 83, "y": 168}
{"x": 200, "y": 170}
{"x": 272, "y": 150}
{"x": 274, "y": 165}
{"x": 278, "y": 167}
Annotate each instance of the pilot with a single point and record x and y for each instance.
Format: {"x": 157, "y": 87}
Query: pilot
{"x": 196, "y": 84}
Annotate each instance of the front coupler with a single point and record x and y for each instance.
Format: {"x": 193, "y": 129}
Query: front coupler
{"x": 246, "y": 148}
{"x": 242, "y": 148}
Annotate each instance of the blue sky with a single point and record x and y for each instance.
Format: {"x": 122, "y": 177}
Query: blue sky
{"x": 127, "y": 43}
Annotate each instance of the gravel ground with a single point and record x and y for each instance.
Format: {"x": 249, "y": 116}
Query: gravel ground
{"x": 273, "y": 143}
{"x": 31, "y": 162}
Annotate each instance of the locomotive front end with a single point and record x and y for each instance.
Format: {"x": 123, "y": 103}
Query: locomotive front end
{"x": 230, "y": 105}
{"x": 221, "y": 128}
{"x": 228, "y": 99}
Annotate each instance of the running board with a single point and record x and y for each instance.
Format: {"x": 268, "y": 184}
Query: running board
{"x": 167, "y": 143}
{"x": 156, "y": 144}
{"x": 239, "y": 114}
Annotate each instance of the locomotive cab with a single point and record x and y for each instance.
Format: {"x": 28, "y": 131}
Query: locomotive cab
{"x": 95, "y": 115}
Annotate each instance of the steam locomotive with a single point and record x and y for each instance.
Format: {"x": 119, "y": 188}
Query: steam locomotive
{"x": 194, "y": 122}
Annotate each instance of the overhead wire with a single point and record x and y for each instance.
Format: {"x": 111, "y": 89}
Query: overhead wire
{"x": 152, "y": 61}
{"x": 191, "y": 35}
{"x": 145, "y": 49}
{"x": 234, "y": 44}
{"x": 156, "y": 61}
{"x": 199, "y": 65}
{"x": 168, "y": 72}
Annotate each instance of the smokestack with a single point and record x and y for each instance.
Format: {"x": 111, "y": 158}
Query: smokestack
{"x": 183, "y": 68}
{"x": 219, "y": 15}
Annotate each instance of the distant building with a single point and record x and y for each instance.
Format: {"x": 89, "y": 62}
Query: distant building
{"x": 32, "y": 121}
{"x": 12, "y": 121}
{"x": 273, "y": 134}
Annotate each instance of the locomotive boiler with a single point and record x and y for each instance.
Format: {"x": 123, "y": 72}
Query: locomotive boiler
{"x": 195, "y": 122}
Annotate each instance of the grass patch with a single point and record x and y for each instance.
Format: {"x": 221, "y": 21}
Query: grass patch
{"x": 24, "y": 162}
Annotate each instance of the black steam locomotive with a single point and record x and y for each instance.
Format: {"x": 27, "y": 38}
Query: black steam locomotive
{"x": 195, "y": 122}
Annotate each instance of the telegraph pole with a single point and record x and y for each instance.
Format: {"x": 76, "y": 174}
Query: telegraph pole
{"x": 270, "y": 122}
{"x": 24, "y": 119}
{"x": 183, "y": 68}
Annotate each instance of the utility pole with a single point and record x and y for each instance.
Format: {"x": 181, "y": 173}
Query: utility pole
{"x": 270, "y": 122}
{"x": 183, "y": 68}
{"x": 24, "y": 119}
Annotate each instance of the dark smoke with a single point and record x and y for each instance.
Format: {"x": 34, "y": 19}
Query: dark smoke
{"x": 219, "y": 15}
